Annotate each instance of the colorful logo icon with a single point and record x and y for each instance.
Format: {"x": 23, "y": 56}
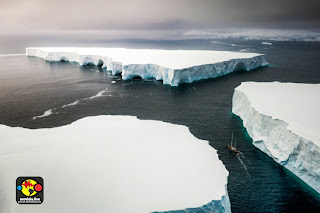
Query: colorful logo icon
{"x": 29, "y": 190}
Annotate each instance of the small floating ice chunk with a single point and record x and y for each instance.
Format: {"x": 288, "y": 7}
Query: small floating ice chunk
{"x": 45, "y": 114}
{"x": 99, "y": 94}
{"x": 71, "y": 104}
{"x": 266, "y": 43}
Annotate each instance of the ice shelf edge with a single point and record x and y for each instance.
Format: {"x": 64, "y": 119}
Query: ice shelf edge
{"x": 272, "y": 137}
{"x": 173, "y": 77}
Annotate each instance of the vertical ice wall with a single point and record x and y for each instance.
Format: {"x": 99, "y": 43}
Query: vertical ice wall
{"x": 279, "y": 138}
{"x": 173, "y": 67}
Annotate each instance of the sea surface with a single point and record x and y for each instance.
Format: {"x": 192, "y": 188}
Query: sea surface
{"x": 39, "y": 94}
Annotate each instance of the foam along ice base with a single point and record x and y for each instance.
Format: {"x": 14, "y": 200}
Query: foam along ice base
{"x": 283, "y": 121}
{"x": 112, "y": 164}
{"x": 174, "y": 67}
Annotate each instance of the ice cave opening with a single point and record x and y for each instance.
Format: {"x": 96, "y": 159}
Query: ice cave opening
{"x": 136, "y": 77}
{"x": 64, "y": 59}
{"x": 100, "y": 63}
{"x": 240, "y": 67}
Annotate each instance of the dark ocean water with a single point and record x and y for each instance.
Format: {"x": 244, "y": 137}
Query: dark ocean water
{"x": 31, "y": 86}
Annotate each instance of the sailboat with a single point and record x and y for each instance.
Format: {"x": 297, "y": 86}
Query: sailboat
{"x": 233, "y": 148}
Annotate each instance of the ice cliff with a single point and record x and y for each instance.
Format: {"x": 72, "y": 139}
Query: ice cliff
{"x": 92, "y": 166}
{"x": 283, "y": 121}
{"x": 173, "y": 67}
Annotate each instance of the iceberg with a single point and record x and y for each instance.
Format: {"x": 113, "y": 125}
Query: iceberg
{"x": 113, "y": 164}
{"x": 283, "y": 121}
{"x": 173, "y": 67}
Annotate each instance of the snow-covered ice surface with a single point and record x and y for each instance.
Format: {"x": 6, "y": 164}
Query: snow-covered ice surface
{"x": 113, "y": 164}
{"x": 283, "y": 121}
{"x": 174, "y": 67}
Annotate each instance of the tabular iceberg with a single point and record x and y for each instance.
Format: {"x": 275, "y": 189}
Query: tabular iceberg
{"x": 113, "y": 164}
{"x": 174, "y": 67}
{"x": 283, "y": 121}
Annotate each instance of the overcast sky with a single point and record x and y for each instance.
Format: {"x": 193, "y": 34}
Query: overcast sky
{"x": 25, "y": 16}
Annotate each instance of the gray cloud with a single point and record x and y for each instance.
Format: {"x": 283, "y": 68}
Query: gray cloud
{"x": 48, "y": 15}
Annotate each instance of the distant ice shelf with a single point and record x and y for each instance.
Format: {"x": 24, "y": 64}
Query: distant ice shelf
{"x": 113, "y": 164}
{"x": 283, "y": 121}
{"x": 173, "y": 67}
{"x": 257, "y": 34}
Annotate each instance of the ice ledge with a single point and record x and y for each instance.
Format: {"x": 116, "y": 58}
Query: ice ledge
{"x": 216, "y": 206}
{"x": 174, "y": 67}
{"x": 271, "y": 135}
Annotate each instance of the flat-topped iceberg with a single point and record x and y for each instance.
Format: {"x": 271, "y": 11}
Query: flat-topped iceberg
{"x": 113, "y": 164}
{"x": 283, "y": 121}
{"x": 174, "y": 67}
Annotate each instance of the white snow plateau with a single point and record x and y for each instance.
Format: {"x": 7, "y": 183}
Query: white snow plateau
{"x": 173, "y": 67}
{"x": 113, "y": 164}
{"x": 283, "y": 121}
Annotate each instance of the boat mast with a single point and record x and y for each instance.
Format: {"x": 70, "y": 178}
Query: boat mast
{"x": 231, "y": 139}
{"x": 235, "y": 146}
